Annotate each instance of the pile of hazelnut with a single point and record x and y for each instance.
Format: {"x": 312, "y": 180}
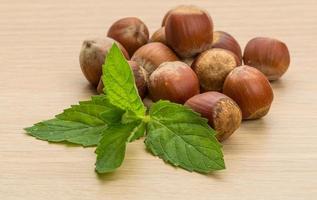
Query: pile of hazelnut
{"x": 187, "y": 62}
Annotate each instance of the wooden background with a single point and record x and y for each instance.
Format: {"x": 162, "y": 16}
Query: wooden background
{"x": 272, "y": 158}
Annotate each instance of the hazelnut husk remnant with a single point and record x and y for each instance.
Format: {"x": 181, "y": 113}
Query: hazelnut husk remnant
{"x": 268, "y": 55}
{"x": 223, "y": 114}
{"x": 173, "y": 81}
{"x": 213, "y": 66}
{"x": 131, "y": 32}
{"x": 92, "y": 56}
{"x": 251, "y": 90}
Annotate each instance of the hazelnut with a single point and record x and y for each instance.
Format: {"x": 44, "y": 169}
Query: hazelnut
{"x": 268, "y": 55}
{"x": 131, "y": 32}
{"x": 159, "y": 36}
{"x": 213, "y": 66}
{"x": 151, "y": 55}
{"x": 92, "y": 56}
{"x": 174, "y": 81}
{"x": 189, "y": 30}
{"x": 224, "y": 40}
{"x": 140, "y": 77}
{"x": 251, "y": 90}
{"x": 223, "y": 114}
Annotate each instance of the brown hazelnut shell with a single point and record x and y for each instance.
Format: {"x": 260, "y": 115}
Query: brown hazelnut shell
{"x": 213, "y": 66}
{"x": 92, "y": 56}
{"x": 189, "y": 30}
{"x": 173, "y": 81}
{"x": 268, "y": 55}
{"x": 151, "y": 55}
{"x": 159, "y": 36}
{"x": 226, "y": 41}
{"x": 223, "y": 114}
{"x": 251, "y": 90}
{"x": 131, "y": 32}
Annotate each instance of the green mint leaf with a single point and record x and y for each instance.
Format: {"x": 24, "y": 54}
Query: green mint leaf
{"x": 138, "y": 132}
{"x": 119, "y": 82}
{"x": 56, "y": 130}
{"x": 111, "y": 148}
{"x": 129, "y": 117}
{"x": 81, "y": 124}
{"x": 111, "y": 113}
{"x": 181, "y": 137}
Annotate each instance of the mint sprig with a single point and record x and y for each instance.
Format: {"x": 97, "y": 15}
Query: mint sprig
{"x": 111, "y": 149}
{"x": 173, "y": 132}
{"x": 178, "y": 135}
{"x": 81, "y": 124}
{"x": 119, "y": 82}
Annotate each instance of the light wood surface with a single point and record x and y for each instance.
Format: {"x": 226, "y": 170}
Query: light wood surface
{"x": 272, "y": 158}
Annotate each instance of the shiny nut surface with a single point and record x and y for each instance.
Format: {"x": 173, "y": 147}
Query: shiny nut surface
{"x": 224, "y": 40}
{"x": 159, "y": 36}
{"x": 268, "y": 55}
{"x": 251, "y": 90}
{"x": 174, "y": 81}
{"x": 151, "y": 55}
{"x": 131, "y": 32}
{"x": 189, "y": 30}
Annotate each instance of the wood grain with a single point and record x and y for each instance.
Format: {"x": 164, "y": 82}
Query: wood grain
{"x": 272, "y": 158}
